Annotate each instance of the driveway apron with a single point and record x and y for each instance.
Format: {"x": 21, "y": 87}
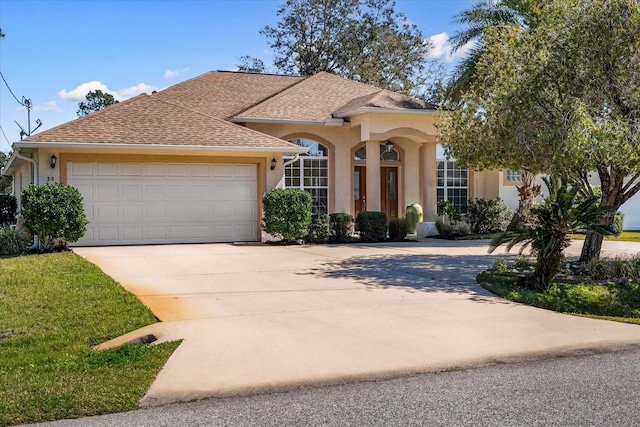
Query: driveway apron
{"x": 257, "y": 318}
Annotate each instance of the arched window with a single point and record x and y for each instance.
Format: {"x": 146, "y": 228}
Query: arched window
{"x": 310, "y": 173}
{"x": 385, "y": 156}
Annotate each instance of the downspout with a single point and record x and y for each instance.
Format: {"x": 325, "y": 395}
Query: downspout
{"x": 36, "y": 181}
{"x": 295, "y": 159}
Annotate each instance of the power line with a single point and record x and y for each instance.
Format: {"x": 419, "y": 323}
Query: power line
{"x": 5, "y": 137}
{"x": 10, "y": 91}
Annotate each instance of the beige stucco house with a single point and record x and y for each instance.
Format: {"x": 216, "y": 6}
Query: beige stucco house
{"x": 190, "y": 163}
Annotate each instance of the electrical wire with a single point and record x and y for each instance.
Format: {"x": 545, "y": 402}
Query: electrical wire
{"x": 10, "y": 91}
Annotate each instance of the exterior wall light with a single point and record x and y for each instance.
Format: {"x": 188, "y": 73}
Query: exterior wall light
{"x": 273, "y": 164}
{"x": 54, "y": 159}
{"x": 389, "y": 146}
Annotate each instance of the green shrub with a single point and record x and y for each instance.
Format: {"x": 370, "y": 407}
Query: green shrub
{"x": 446, "y": 207}
{"x": 287, "y": 212}
{"x": 627, "y": 268}
{"x": 54, "y": 213}
{"x": 341, "y": 227}
{"x": 8, "y": 210}
{"x": 618, "y": 223}
{"x": 319, "y": 228}
{"x": 450, "y": 230}
{"x": 13, "y": 241}
{"x": 398, "y": 229}
{"x": 488, "y": 215}
{"x": 372, "y": 226}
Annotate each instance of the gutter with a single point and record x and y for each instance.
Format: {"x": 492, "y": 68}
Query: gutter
{"x": 365, "y": 110}
{"x": 120, "y": 146}
{"x": 287, "y": 163}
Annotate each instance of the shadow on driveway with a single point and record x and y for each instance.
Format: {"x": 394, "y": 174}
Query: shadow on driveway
{"x": 418, "y": 273}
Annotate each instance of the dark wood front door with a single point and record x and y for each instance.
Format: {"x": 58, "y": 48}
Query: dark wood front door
{"x": 389, "y": 191}
{"x": 360, "y": 189}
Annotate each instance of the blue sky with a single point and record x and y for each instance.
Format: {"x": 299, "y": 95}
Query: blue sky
{"x": 56, "y": 51}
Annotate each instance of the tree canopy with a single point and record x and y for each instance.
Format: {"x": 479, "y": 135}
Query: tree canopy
{"x": 95, "y": 101}
{"x": 5, "y": 180}
{"x": 563, "y": 96}
{"x": 361, "y": 39}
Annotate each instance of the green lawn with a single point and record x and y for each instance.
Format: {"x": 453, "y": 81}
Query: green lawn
{"x": 619, "y": 302}
{"x": 53, "y": 309}
{"x": 625, "y": 236}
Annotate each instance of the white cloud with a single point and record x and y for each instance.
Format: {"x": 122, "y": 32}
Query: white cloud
{"x": 169, "y": 74}
{"x": 132, "y": 91}
{"x": 49, "y": 106}
{"x": 441, "y": 48}
{"x": 80, "y": 93}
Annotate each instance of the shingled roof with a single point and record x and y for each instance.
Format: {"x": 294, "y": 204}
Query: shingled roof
{"x": 146, "y": 119}
{"x": 199, "y": 111}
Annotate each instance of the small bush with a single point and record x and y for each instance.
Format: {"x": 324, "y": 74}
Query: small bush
{"x": 287, "y": 212}
{"x": 618, "y": 223}
{"x": 615, "y": 268}
{"x": 450, "y": 230}
{"x": 341, "y": 227}
{"x": 13, "y": 241}
{"x": 372, "y": 226}
{"x": 8, "y": 210}
{"x": 398, "y": 229}
{"x": 319, "y": 228}
{"x": 446, "y": 207}
{"x": 499, "y": 266}
{"x": 488, "y": 215}
{"x": 54, "y": 213}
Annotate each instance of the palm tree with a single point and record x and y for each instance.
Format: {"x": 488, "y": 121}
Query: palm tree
{"x": 482, "y": 16}
{"x": 558, "y": 215}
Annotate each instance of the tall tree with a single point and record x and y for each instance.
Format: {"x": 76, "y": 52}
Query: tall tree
{"x": 5, "y": 180}
{"x": 561, "y": 97}
{"x": 362, "y": 39}
{"x": 484, "y": 16}
{"x": 95, "y": 100}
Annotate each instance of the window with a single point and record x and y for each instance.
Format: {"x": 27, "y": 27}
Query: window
{"x": 385, "y": 156}
{"x": 514, "y": 176}
{"x": 452, "y": 183}
{"x": 310, "y": 173}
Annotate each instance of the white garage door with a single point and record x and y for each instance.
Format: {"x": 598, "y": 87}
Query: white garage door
{"x": 146, "y": 203}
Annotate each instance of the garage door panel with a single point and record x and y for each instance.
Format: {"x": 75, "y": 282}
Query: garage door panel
{"x": 107, "y": 169}
{"x": 137, "y": 203}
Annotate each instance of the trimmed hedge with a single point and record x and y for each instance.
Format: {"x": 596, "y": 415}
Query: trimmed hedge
{"x": 372, "y": 226}
{"x": 341, "y": 227}
{"x": 287, "y": 212}
{"x": 318, "y": 228}
{"x": 398, "y": 229}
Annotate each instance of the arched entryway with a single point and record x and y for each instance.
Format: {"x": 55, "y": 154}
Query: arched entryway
{"x": 390, "y": 162}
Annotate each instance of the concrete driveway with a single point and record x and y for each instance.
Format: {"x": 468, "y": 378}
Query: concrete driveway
{"x": 257, "y": 318}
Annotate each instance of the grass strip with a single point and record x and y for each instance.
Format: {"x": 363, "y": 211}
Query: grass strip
{"x": 53, "y": 309}
{"x": 625, "y": 236}
{"x": 619, "y": 302}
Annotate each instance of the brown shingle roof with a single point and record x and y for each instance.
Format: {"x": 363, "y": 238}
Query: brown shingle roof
{"x": 313, "y": 99}
{"x": 386, "y": 100}
{"x": 147, "y": 119}
{"x": 223, "y": 94}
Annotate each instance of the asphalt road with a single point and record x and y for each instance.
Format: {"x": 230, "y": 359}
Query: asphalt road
{"x": 578, "y": 390}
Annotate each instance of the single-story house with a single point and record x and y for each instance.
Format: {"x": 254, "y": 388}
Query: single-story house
{"x": 190, "y": 163}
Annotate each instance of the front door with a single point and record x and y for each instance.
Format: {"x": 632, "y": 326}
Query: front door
{"x": 389, "y": 191}
{"x": 360, "y": 189}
